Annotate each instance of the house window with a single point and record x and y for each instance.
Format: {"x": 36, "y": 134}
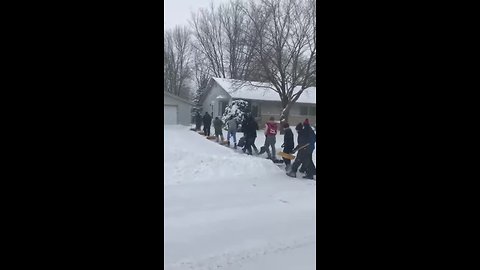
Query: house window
{"x": 312, "y": 111}
{"x": 303, "y": 110}
{"x": 256, "y": 111}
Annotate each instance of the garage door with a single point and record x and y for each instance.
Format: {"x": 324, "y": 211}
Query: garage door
{"x": 170, "y": 114}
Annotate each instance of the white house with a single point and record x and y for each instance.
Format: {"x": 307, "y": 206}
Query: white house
{"x": 264, "y": 102}
{"x": 176, "y": 110}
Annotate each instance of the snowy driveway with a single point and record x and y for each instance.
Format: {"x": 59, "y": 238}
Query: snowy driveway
{"x": 225, "y": 210}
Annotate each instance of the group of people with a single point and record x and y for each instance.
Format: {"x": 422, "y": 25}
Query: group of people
{"x": 218, "y": 124}
{"x": 305, "y": 146}
{"x": 305, "y": 141}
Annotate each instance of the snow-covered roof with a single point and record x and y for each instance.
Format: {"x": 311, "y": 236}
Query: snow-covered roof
{"x": 178, "y": 98}
{"x": 255, "y": 91}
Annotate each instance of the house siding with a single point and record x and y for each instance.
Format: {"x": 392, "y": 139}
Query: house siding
{"x": 295, "y": 117}
{"x": 212, "y": 95}
{"x": 184, "y": 109}
{"x": 274, "y": 108}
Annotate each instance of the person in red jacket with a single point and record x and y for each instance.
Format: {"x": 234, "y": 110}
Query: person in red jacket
{"x": 270, "y": 137}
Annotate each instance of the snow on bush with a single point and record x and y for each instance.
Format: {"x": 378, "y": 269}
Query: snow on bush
{"x": 238, "y": 109}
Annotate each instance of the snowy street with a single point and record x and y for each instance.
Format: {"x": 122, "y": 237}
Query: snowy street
{"x": 225, "y": 210}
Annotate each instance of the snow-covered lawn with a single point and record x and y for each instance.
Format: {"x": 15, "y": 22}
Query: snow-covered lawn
{"x": 225, "y": 210}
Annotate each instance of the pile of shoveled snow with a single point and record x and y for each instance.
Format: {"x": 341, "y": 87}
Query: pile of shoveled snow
{"x": 196, "y": 160}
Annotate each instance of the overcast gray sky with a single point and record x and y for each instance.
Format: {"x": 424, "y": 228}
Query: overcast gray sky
{"x": 177, "y": 12}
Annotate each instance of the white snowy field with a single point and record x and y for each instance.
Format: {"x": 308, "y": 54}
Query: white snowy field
{"x": 225, "y": 210}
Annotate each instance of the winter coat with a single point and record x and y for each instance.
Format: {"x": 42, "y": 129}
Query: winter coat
{"x": 251, "y": 128}
{"x": 232, "y": 125}
{"x": 198, "y": 119}
{"x": 312, "y": 137}
{"x": 288, "y": 142}
{"x": 244, "y": 126}
{"x": 303, "y": 138}
{"x": 207, "y": 120}
{"x": 217, "y": 124}
{"x": 270, "y": 129}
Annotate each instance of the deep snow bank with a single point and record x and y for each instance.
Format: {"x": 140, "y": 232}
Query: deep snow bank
{"x": 191, "y": 157}
{"x": 225, "y": 210}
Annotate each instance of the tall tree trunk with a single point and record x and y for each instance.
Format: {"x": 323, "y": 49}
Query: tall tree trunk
{"x": 284, "y": 115}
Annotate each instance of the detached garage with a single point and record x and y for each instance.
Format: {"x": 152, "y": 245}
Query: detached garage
{"x": 176, "y": 110}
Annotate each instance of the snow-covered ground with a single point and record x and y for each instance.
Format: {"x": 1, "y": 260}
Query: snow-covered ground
{"x": 225, "y": 210}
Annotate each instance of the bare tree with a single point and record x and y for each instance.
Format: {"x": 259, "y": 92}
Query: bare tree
{"x": 286, "y": 47}
{"x": 271, "y": 41}
{"x": 207, "y": 31}
{"x": 202, "y": 75}
{"x": 177, "y": 61}
{"x": 223, "y": 36}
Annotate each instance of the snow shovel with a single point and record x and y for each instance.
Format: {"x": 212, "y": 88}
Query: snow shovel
{"x": 290, "y": 156}
{"x": 286, "y": 156}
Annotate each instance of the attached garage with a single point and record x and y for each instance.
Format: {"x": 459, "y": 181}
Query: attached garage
{"x": 170, "y": 114}
{"x": 176, "y": 110}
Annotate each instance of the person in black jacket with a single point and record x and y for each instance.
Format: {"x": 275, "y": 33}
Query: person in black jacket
{"x": 303, "y": 156}
{"x": 288, "y": 144}
{"x": 198, "y": 121}
{"x": 207, "y": 122}
{"x": 244, "y": 130}
{"x": 311, "y": 147}
{"x": 250, "y": 131}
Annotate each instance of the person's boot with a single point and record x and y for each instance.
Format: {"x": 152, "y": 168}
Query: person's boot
{"x": 292, "y": 174}
{"x": 308, "y": 177}
{"x": 234, "y": 145}
{"x": 263, "y": 149}
{"x": 228, "y": 143}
